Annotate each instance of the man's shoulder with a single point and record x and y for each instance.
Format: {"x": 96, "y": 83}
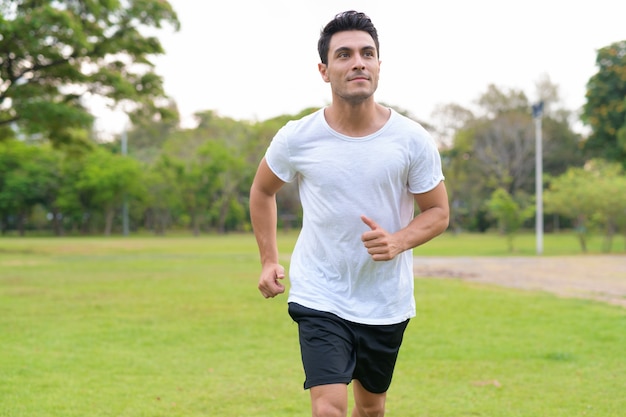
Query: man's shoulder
{"x": 311, "y": 125}
{"x": 311, "y": 119}
{"x": 409, "y": 128}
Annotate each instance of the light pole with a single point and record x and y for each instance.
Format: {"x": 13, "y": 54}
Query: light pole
{"x": 537, "y": 113}
{"x": 125, "y": 204}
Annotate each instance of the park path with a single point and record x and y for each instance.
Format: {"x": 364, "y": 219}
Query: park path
{"x": 597, "y": 277}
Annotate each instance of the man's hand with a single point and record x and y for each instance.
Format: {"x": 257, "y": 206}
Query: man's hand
{"x": 379, "y": 243}
{"x": 268, "y": 282}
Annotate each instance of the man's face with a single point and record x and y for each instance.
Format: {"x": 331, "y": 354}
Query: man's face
{"x": 353, "y": 67}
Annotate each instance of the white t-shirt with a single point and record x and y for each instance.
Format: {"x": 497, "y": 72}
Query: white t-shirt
{"x": 340, "y": 178}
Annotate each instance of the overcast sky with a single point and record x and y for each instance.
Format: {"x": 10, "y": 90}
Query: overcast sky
{"x": 253, "y": 60}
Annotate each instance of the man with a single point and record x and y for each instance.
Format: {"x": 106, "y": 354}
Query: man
{"x": 360, "y": 168}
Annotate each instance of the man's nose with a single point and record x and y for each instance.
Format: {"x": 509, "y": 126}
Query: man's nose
{"x": 358, "y": 64}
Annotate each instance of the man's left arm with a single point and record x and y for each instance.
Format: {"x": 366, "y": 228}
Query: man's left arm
{"x": 432, "y": 220}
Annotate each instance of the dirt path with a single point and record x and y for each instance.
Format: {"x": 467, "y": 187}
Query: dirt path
{"x": 595, "y": 277}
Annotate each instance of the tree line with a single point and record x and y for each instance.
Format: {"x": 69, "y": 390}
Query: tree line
{"x": 57, "y": 176}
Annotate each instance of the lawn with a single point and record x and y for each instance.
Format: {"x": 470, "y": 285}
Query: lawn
{"x": 174, "y": 326}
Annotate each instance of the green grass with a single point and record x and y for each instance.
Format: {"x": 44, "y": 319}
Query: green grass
{"x": 176, "y": 327}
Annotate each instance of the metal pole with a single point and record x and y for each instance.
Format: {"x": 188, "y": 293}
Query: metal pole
{"x": 538, "y": 179}
{"x": 125, "y": 204}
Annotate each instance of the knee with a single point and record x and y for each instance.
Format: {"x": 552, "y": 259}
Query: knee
{"x": 329, "y": 400}
{"x": 371, "y": 410}
{"x": 329, "y": 410}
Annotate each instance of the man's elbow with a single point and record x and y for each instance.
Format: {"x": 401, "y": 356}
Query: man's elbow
{"x": 259, "y": 192}
{"x": 443, "y": 220}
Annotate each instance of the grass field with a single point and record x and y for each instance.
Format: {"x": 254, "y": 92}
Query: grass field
{"x": 149, "y": 327}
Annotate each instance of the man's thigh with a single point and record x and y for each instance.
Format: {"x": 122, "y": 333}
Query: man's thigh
{"x": 326, "y": 346}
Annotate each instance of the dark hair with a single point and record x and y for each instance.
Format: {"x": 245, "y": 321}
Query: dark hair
{"x": 349, "y": 20}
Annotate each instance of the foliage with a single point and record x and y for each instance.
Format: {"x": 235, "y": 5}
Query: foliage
{"x": 55, "y": 57}
{"x": 71, "y": 189}
{"x": 509, "y": 214}
{"x": 146, "y": 139}
{"x": 199, "y": 178}
{"x": 562, "y": 147}
{"x": 495, "y": 101}
{"x": 29, "y": 176}
{"x": 107, "y": 179}
{"x": 504, "y": 150}
{"x": 465, "y": 183}
{"x": 592, "y": 196}
{"x": 58, "y": 57}
{"x": 497, "y": 150}
{"x": 164, "y": 200}
{"x": 605, "y": 109}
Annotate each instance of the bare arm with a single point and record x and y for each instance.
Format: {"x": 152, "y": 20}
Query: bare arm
{"x": 429, "y": 223}
{"x": 263, "y": 214}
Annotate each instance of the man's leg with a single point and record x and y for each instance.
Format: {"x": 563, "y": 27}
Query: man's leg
{"x": 330, "y": 400}
{"x": 367, "y": 404}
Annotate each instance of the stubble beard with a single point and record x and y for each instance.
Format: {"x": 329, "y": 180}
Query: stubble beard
{"x": 356, "y": 98}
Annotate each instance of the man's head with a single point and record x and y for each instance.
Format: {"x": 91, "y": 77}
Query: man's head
{"x": 345, "y": 21}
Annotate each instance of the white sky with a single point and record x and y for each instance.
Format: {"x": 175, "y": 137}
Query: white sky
{"x": 257, "y": 59}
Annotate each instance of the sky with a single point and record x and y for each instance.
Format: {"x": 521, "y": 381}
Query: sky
{"x": 257, "y": 59}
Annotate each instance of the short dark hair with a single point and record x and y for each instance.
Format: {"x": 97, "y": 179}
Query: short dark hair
{"x": 349, "y": 20}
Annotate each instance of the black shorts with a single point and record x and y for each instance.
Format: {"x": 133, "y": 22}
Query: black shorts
{"x": 336, "y": 351}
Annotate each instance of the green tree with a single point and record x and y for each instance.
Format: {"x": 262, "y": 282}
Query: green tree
{"x": 146, "y": 136}
{"x": 225, "y": 170}
{"x": 495, "y": 148}
{"x": 219, "y": 158}
{"x": 504, "y": 148}
{"x": 56, "y": 56}
{"x": 107, "y": 179}
{"x": 592, "y": 195}
{"x": 29, "y": 176}
{"x": 466, "y": 184}
{"x": 73, "y": 202}
{"x": 605, "y": 109}
{"x": 497, "y": 101}
{"x": 164, "y": 201}
{"x": 509, "y": 213}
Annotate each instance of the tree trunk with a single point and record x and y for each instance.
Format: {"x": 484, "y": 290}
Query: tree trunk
{"x": 20, "y": 223}
{"x": 161, "y": 221}
{"x": 108, "y": 222}
{"x": 581, "y": 232}
{"x": 221, "y": 221}
{"x": 608, "y": 238}
{"x": 57, "y": 223}
{"x": 195, "y": 222}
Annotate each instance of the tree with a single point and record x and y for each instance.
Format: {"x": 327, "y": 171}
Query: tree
{"x": 146, "y": 138}
{"x": 605, "y": 109}
{"x": 466, "y": 183}
{"x": 509, "y": 214}
{"x": 497, "y": 101}
{"x": 164, "y": 197}
{"x": 56, "y": 56}
{"x": 224, "y": 171}
{"x": 562, "y": 147}
{"x": 591, "y": 195}
{"x": 107, "y": 179}
{"x": 494, "y": 147}
{"x": 548, "y": 93}
{"x": 29, "y": 177}
{"x": 505, "y": 150}
{"x": 450, "y": 118}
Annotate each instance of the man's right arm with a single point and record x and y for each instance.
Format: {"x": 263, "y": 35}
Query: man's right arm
{"x": 263, "y": 214}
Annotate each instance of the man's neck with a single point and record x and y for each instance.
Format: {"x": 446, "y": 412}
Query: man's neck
{"x": 356, "y": 120}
